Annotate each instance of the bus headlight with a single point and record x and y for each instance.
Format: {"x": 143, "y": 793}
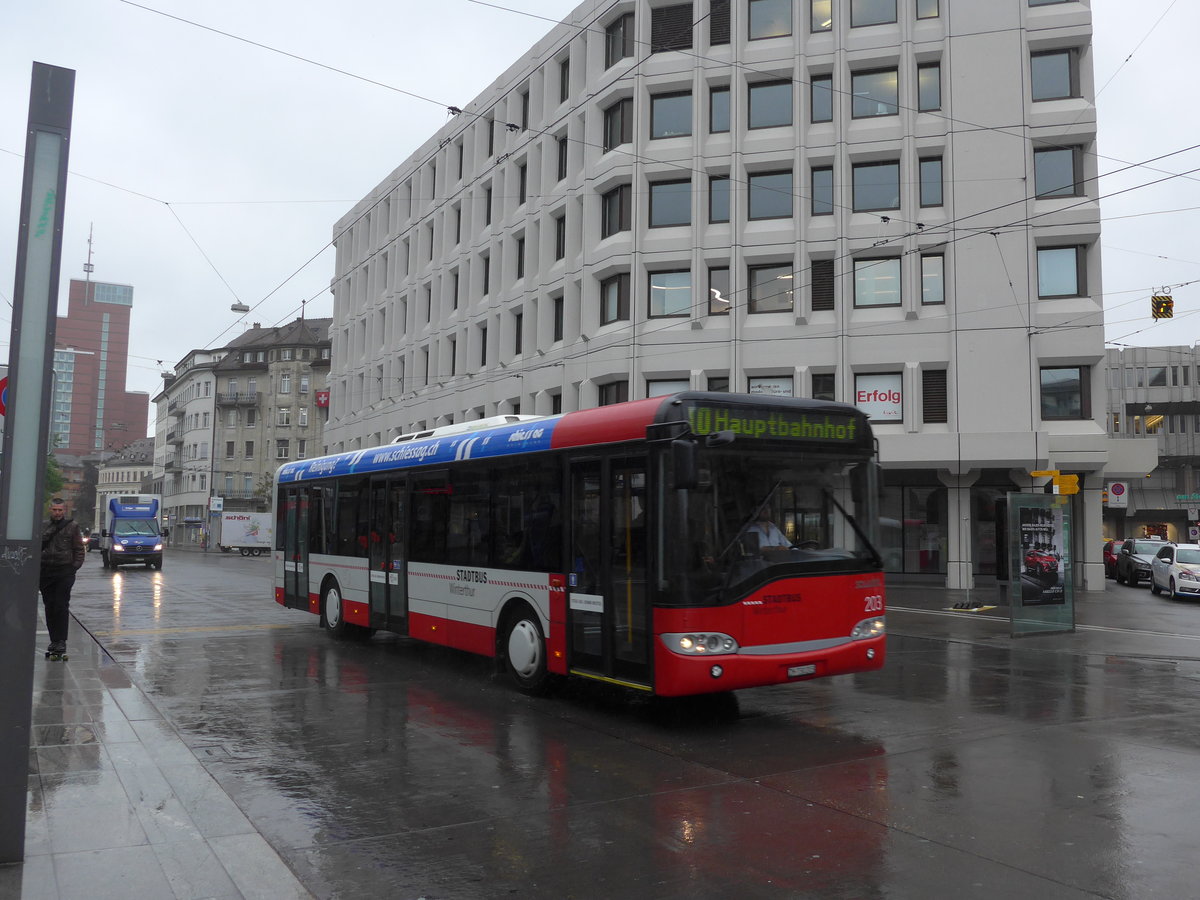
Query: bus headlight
{"x": 869, "y": 628}
{"x": 700, "y": 643}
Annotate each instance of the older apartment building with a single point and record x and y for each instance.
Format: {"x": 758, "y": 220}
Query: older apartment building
{"x": 886, "y": 202}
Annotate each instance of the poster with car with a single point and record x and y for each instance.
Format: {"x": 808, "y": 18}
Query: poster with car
{"x": 1039, "y": 539}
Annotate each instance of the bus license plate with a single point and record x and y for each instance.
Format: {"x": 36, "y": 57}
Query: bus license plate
{"x": 797, "y": 671}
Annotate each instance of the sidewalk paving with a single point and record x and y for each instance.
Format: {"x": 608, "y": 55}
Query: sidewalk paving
{"x": 120, "y": 807}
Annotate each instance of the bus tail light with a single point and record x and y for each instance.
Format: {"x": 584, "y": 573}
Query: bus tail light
{"x": 869, "y": 628}
{"x": 700, "y": 643}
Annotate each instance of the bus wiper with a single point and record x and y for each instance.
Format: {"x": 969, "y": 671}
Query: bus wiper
{"x": 877, "y": 557}
{"x": 750, "y": 521}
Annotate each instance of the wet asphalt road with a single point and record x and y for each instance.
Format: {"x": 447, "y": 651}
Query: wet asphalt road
{"x": 971, "y": 766}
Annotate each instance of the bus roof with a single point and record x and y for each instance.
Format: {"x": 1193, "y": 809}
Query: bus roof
{"x": 753, "y": 416}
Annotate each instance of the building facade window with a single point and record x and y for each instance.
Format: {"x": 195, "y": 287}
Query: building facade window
{"x": 1065, "y": 393}
{"x": 877, "y": 282}
{"x": 613, "y": 392}
{"x": 820, "y": 16}
{"x": 522, "y": 184}
{"x": 564, "y": 80}
{"x": 933, "y": 279}
{"x": 562, "y": 158}
{"x": 1054, "y": 75}
{"x": 821, "y": 98}
{"x": 872, "y": 12}
{"x": 520, "y": 257}
{"x": 618, "y": 40}
{"x": 670, "y": 293}
{"x": 618, "y": 124}
{"x": 876, "y": 186}
{"x": 615, "y": 210}
{"x": 557, "y": 305}
{"x": 1056, "y": 172}
{"x": 671, "y": 115}
{"x": 614, "y": 299}
{"x": 770, "y": 288}
{"x": 770, "y": 104}
{"x": 718, "y": 110}
{"x": 769, "y": 19}
{"x": 719, "y": 300}
{"x": 770, "y": 195}
{"x": 876, "y": 93}
{"x": 718, "y": 198}
{"x": 927, "y": 9}
{"x": 283, "y": 416}
{"x": 249, "y": 454}
{"x": 560, "y": 237}
{"x": 285, "y": 383}
{"x": 282, "y": 448}
{"x": 929, "y": 87}
{"x": 1061, "y": 272}
{"x": 931, "y": 181}
{"x": 823, "y": 386}
{"x": 670, "y": 203}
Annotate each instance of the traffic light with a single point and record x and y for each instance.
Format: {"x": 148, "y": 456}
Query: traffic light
{"x": 1162, "y": 306}
{"x": 1066, "y": 484}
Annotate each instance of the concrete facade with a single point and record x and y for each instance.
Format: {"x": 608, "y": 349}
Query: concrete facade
{"x": 892, "y": 204}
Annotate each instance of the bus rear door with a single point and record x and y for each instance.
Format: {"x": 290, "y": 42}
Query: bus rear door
{"x": 608, "y": 600}
{"x": 294, "y": 510}
{"x": 386, "y": 555}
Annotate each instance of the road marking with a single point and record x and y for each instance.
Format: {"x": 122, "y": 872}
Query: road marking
{"x": 962, "y": 613}
{"x": 183, "y": 629}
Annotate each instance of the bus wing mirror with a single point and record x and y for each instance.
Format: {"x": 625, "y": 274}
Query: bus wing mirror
{"x": 683, "y": 458}
{"x": 717, "y": 438}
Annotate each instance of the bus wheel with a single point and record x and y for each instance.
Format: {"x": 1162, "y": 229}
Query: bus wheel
{"x": 525, "y": 651}
{"x": 331, "y": 611}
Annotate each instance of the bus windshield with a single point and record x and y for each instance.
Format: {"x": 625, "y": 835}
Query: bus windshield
{"x": 762, "y": 515}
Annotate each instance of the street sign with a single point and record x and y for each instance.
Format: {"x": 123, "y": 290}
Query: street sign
{"x": 1118, "y": 495}
{"x": 1162, "y": 306}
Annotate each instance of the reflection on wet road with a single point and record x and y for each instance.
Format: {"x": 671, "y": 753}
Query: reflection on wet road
{"x": 394, "y": 769}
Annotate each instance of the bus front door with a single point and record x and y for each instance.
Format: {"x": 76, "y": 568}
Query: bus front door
{"x": 608, "y": 604}
{"x": 385, "y": 552}
{"x": 294, "y": 507}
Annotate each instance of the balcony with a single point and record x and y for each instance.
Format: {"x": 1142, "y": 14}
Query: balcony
{"x": 171, "y": 465}
{"x": 242, "y": 398}
{"x": 174, "y": 437}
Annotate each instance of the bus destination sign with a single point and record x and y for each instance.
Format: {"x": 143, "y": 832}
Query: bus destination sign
{"x": 774, "y": 424}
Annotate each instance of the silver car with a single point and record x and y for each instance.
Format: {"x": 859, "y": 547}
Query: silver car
{"x": 1133, "y": 559}
{"x": 1176, "y": 570}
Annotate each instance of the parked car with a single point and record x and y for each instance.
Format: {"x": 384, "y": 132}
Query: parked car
{"x": 1176, "y": 570}
{"x": 1133, "y": 559}
{"x": 1110, "y": 559}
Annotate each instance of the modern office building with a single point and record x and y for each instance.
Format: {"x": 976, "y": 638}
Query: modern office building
{"x": 885, "y": 202}
{"x": 1154, "y": 393}
{"x": 92, "y": 411}
{"x": 227, "y": 418}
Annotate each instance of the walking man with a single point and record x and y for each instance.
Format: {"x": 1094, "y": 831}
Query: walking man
{"x": 62, "y": 554}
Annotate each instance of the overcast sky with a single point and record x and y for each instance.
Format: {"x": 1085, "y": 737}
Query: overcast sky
{"x": 212, "y": 170}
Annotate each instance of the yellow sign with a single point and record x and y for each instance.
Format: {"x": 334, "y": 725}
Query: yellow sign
{"x": 1162, "y": 306}
{"x": 1066, "y": 484}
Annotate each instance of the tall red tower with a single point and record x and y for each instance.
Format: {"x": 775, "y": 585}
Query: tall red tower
{"x": 92, "y": 412}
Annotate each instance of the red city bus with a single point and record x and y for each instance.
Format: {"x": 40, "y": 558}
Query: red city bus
{"x": 626, "y": 543}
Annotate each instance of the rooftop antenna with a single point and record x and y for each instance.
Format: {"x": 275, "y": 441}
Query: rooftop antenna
{"x": 88, "y": 268}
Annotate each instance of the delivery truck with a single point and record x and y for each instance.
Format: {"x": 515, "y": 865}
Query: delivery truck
{"x": 247, "y": 532}
{"x": 130, "y": 532}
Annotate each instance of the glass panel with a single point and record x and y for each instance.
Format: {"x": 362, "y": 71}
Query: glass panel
{"x": 718, "y": 199}
{"x": 770, "y": 288}
{"x": 871, "y": 12}
{"x": 771, "y": 195}
{"x": 927, "y": 9}
{"x": 718, "y": 110}
{"x": 670, "y": 293}
{"x": 1051, "y": 75}
{"x": 770, "y": 105}
{"x": 877, "y": 282}
{"x": 821, "y": 15}
{"x": 877, "y": 186}
{"x": 931, "y": 182}
{"x": 1062, "y": 393}
{"x": 875, "y": 94}
{"x": 670, "y": 203}
{"x": 718, "y": 291}
{"x": 822, "y": 98}
{"x": 822, "y": 192}
{"x": 933, "y": 279}
{"x": 1058, "y": 273}
{"x": 770, "y": 18}
{"x": 929, "y": 87}
{"x": 671, "y": 115}
{"x": 1054, "y": 172}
